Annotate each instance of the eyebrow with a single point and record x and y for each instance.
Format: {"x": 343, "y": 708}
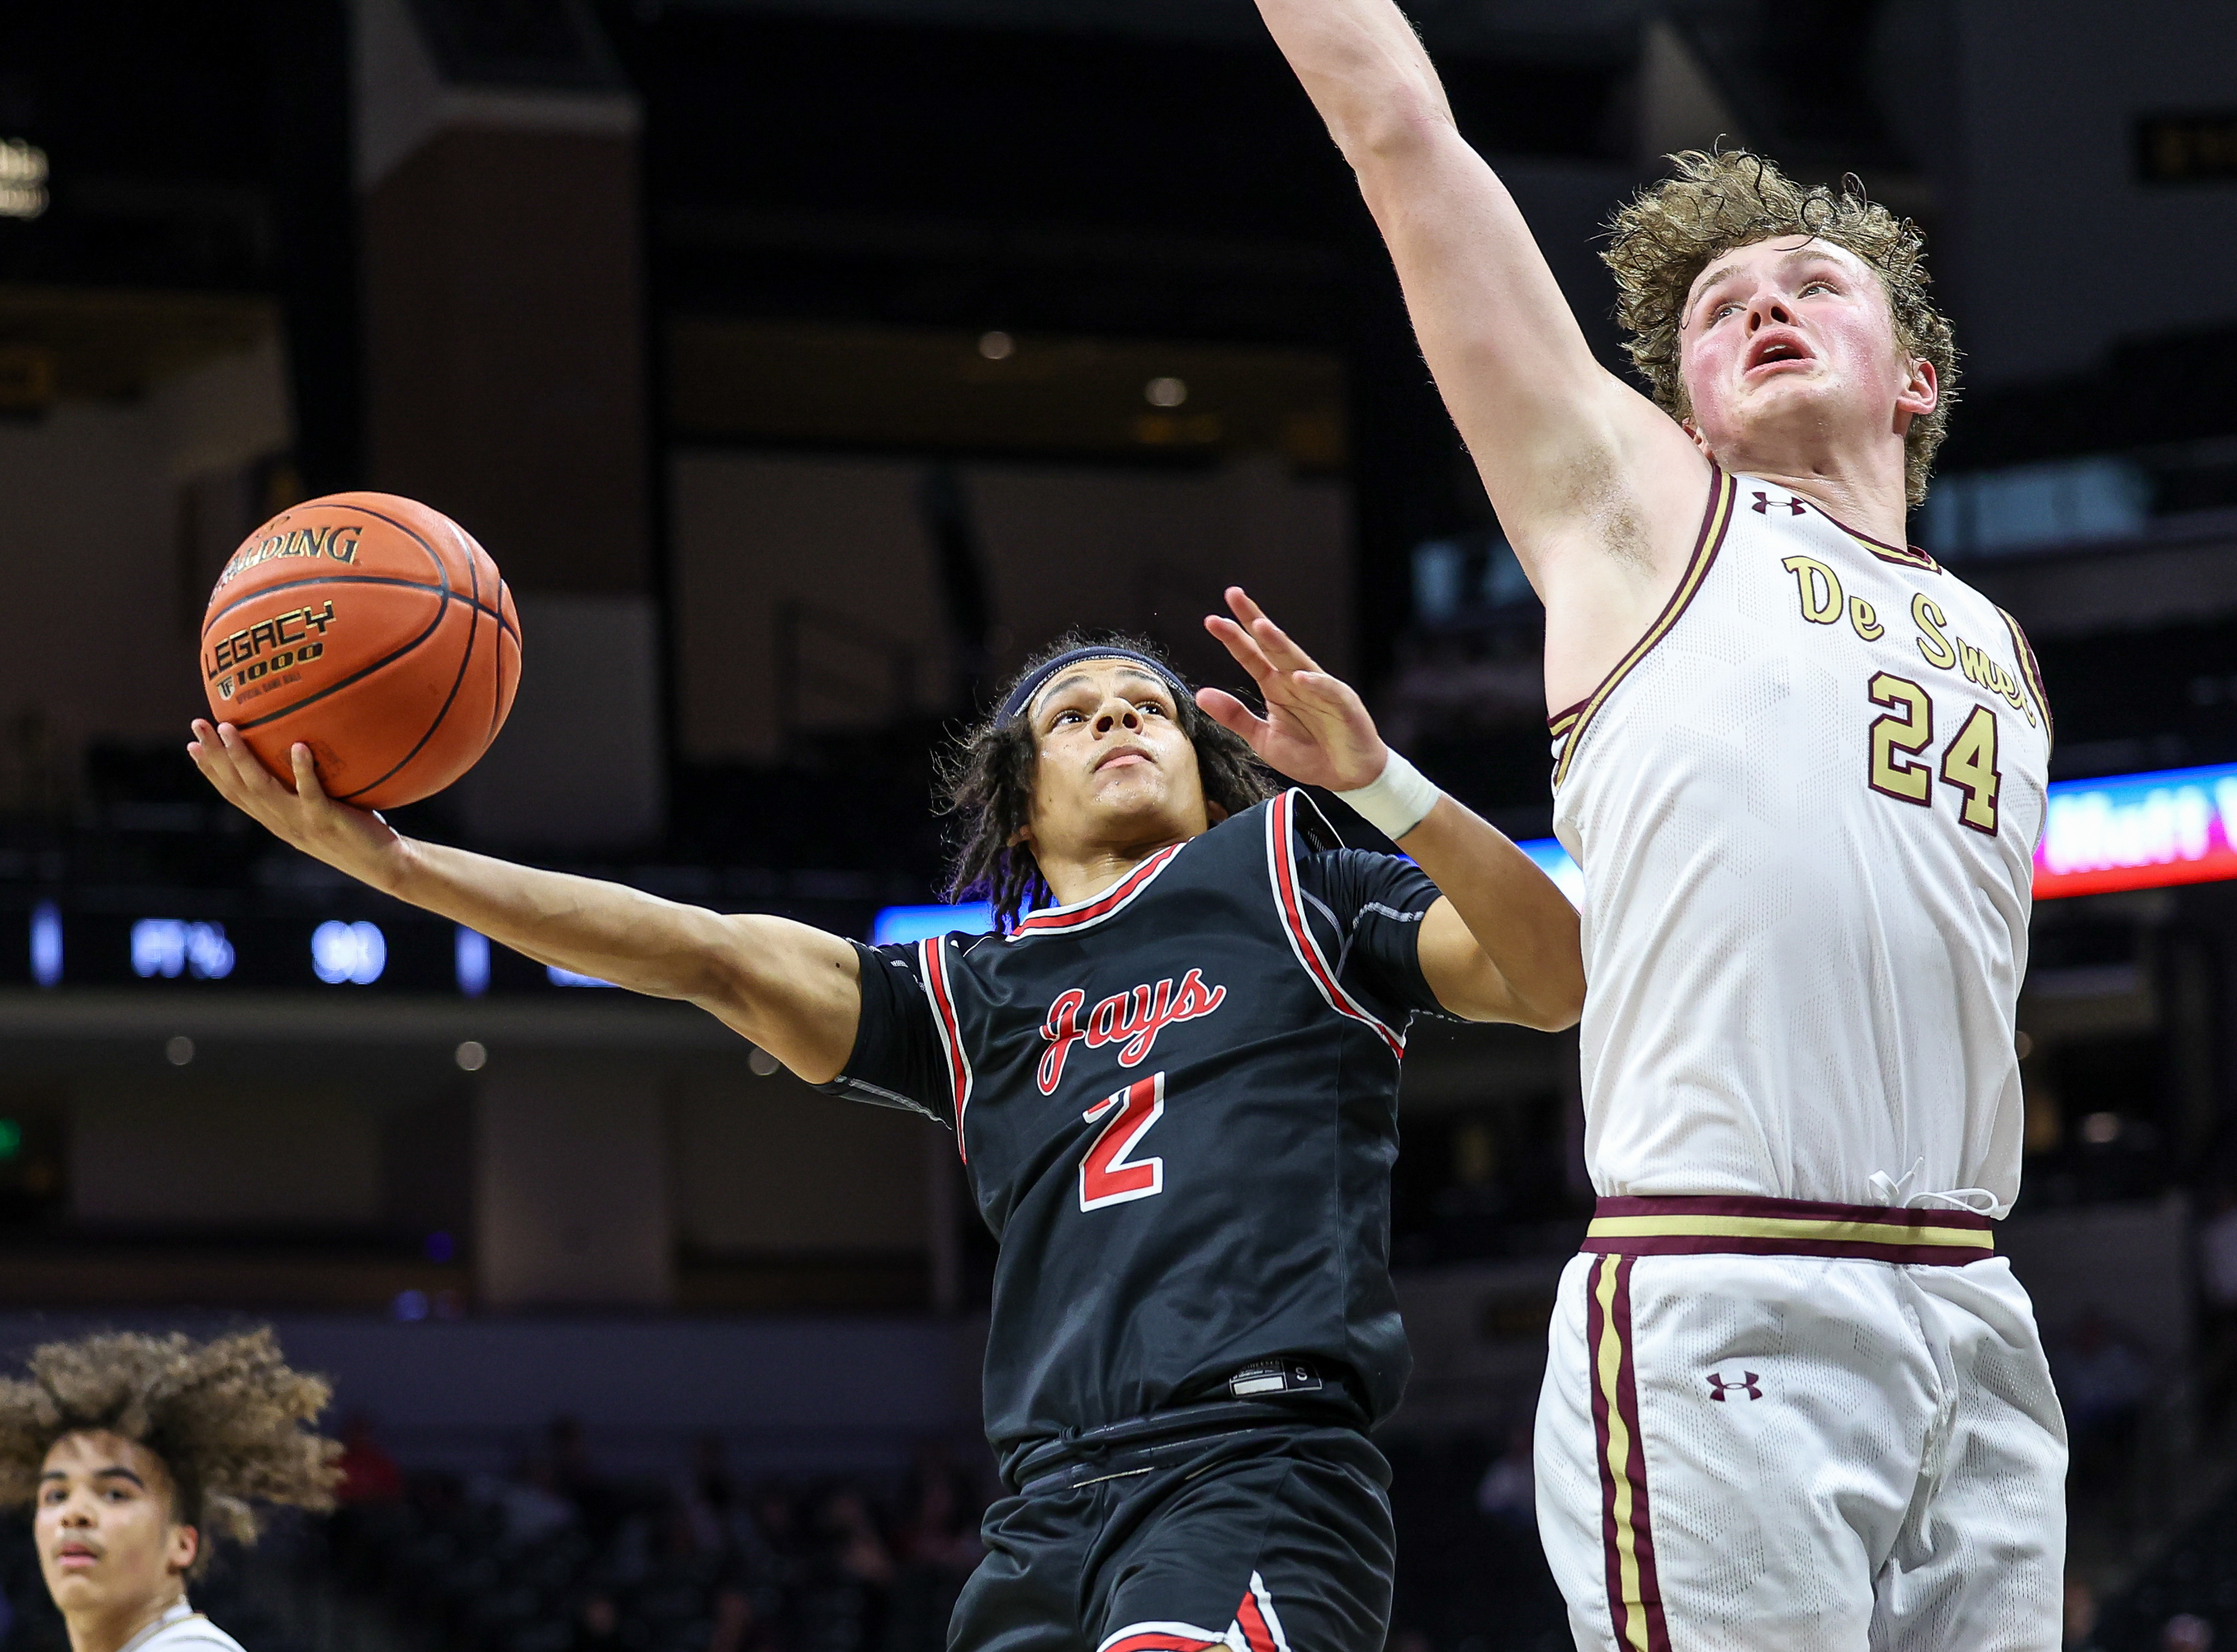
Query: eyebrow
{"x": 1067, "y": 681}
{"x": 115, "y": 1471}
{"x": 1814, "y": 247}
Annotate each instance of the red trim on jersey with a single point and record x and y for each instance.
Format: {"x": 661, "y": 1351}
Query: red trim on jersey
{"x": 932, "y": 952}
{"x": 1282, "y": 861}
{"x": 1104, "y": 906}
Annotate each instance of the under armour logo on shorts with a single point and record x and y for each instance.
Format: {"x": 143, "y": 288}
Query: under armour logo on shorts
{"x": 1764, "y": 504}
{"x": 1749, "y": 1383}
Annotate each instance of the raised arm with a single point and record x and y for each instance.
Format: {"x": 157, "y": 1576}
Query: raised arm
{"x": 793, "y": 989}
{"x": 1503, "y": 944}
{"x": 1589, "y": 476}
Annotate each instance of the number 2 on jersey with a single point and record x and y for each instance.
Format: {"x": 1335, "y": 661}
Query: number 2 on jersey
{"x": 1907, "y": 728}
{"x": 1107, "y": 1175}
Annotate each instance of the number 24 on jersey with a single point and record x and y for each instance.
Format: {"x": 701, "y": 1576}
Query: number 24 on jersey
{"x": 1905, "y": 730}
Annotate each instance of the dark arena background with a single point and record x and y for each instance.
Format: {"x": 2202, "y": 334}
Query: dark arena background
{"x": 804, "y": 363}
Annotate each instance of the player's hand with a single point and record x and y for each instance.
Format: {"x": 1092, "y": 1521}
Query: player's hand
{"x": 1316, "y": 729}
{"x": 356, "y": 841}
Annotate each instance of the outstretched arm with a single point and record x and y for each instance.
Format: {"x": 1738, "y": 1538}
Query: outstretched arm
{"x": 1502, "y": 944}
{"x": 1585, "y": 472}
{"x": 794, "y": 990}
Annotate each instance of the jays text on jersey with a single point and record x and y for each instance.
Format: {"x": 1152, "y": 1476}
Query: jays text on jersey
{"x": 1806, "y": 805}
{"x": 1176, "y": 1103}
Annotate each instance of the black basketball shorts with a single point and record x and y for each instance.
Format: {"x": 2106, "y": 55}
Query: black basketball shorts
{"x": 1262, "y": 1539}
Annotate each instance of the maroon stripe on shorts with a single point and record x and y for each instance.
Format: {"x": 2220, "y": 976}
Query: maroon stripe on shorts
{"x": 1642, "y": 1519}
{"x": 1718, "y": 1204}
{"x": 1912, "y": 1233}
{"x": 1595, "y": 1332}
{"x": 1629, "y": 1616}
{"x": 1853, "y": 1250}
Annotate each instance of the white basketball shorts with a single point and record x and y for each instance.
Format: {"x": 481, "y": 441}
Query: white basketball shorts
{"x": 1774, "y": 1426}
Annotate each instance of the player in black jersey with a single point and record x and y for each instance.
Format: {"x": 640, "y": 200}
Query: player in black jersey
{"x": 1173, "y": 1083}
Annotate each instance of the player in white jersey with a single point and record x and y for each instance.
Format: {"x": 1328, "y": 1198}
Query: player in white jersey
{"x": 1794, "y": 1400}
{"x": 137, "y": 1452}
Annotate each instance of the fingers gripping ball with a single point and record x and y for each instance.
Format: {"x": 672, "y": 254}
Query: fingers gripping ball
{"x": 372, "y": 630}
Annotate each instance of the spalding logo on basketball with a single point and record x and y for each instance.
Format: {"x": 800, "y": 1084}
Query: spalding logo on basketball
{"x": 373, "y": 630}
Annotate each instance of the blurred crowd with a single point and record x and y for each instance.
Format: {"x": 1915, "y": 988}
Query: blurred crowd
{"x": 557, "y": 1556}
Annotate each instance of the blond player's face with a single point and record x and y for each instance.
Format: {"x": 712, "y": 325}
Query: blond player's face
{"x": 103, "y": 1529}
{"x": 1791, "y": 337}
{"x": 1113, "y": 765}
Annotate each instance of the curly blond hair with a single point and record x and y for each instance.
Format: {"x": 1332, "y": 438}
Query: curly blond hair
{"x": 229, "y": 1419}
{"x": 1663, "y": 238}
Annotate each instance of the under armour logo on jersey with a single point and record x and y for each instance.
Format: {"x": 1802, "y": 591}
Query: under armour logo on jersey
{"x": 1764, "y": 504}
{"x": 1749, "y": 1383}
{"x": 1132, "y": 1018}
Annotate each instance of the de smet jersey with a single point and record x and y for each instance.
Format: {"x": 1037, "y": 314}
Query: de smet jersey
{"x": 1176, "y": 1103}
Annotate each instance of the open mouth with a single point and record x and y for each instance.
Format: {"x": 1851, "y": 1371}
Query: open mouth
{"x": 1773, "y": 349}
{"x": 74, "y": 1556}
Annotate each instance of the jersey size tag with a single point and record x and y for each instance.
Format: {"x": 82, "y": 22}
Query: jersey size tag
{"x": 1274, "y": 1376}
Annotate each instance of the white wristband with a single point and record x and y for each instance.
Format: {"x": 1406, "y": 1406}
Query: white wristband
{"x": 1397, "y": 801}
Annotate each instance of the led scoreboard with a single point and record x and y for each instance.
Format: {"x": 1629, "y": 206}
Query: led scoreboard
{"x": 2119, "y": 832}
{"x": 187, "y": 951}
{"x": 2176, "y": 826}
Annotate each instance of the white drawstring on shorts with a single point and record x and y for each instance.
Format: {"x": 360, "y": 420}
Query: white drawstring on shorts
{"x": 1887, "y": 1190}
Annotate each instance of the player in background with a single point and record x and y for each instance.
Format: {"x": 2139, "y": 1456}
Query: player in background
{"x": 1173, "y": 1081}
{"x": 136, "y": 1454}
{"x": 1794, "y": 1401}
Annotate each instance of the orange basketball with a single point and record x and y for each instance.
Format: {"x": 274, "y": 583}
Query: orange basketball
{"x": 373, "y": 630}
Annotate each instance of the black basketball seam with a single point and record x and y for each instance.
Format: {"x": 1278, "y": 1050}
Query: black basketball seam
{"x": 410, "y": 533}
{"x": 497, "y": 669}
{"x": 391, "y": 659}
{"x": 473, "y": 630}
{"x": 355, "y": 676}
{"x": 447, "y": 595}
{"x": 348, "y": 579}
{"x": 496, "y": 613}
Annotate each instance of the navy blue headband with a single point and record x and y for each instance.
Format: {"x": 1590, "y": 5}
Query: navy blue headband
{"x": 1022, "y": 695}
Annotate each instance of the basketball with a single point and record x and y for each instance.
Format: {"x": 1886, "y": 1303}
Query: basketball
{"x": 372, "y": 630}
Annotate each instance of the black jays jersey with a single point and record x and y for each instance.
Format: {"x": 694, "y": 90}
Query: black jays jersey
{"x": 1178, "y": 1106}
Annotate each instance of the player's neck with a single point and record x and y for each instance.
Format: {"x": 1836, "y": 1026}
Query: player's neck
{"x": 1083, "y": 875}
{"x": 1862, "y": 491}
{"x": 108, "y": 1629}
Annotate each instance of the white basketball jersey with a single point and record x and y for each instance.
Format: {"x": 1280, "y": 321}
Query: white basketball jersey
{"x": 1806, "y": 805}
{"x": 181, "y": 1628}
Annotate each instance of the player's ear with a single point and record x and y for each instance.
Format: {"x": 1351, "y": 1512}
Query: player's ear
{"x": 1922, "y": 391}
{"x": 184, "y": 1543}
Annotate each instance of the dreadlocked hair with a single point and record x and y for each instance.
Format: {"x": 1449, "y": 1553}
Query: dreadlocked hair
{"x": 986, "y": 785}
{"x": 1664, "y": 237}
{"x": 229, "y": 1419}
